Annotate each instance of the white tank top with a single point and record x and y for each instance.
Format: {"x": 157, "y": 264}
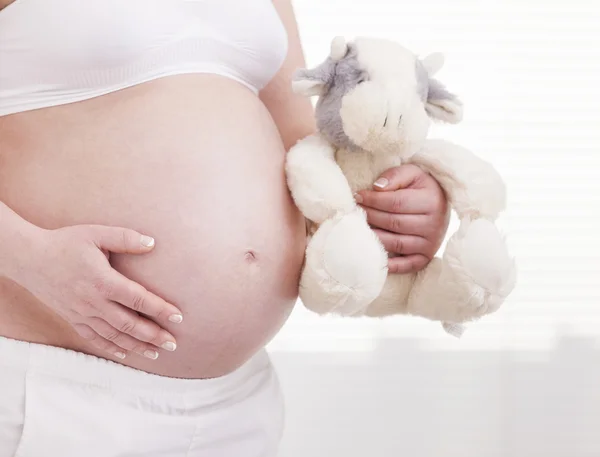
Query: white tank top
{"x": 54, "y": 52}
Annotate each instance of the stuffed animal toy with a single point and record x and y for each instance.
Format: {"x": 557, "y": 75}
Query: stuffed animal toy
{"x": 376, "y": 102}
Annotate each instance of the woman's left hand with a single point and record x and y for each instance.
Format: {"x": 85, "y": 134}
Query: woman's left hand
{"x": 408, "y": 210}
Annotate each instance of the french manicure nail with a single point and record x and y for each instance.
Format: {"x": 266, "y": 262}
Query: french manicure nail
{"x": 151, "y": 354}
{"x": 120, "y": 355}
{"x": 176, "y": 318}
{"x": 169, "y": 346}
{"x": 358, "y": 198}
{"x": 147, "y": 241}
{"x": 381, "y": 183}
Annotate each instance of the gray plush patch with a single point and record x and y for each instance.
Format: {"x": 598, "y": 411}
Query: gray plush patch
{"x": 347, "y": 74}
{"x": 340, "y": 77}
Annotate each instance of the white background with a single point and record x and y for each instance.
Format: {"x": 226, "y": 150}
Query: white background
{"x": 524, "y": 382}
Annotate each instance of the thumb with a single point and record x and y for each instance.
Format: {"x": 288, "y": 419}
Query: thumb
{"x": 398, "y": 178}
{"x": 121, "y": 240}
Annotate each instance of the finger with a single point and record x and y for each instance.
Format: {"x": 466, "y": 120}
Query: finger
{"x": 398, "y": 177}
{"x": 404, "y": 244}
{"x": 88, "y": 334}
{"x": 405, "y": 224}
{"x": 123, "y": 320}
{"x": 136, "y": 297}
{"x": 406, "y": 201}
{"x": 121, "y": 240}
{"x": 122, "y": 340}
{"x": 407, "y": 264}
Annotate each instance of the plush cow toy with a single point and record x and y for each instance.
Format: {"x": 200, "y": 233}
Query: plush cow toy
{"x": 376, "y": 103}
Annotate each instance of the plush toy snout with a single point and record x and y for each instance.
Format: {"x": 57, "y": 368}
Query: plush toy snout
{"x": 383, "y": 119}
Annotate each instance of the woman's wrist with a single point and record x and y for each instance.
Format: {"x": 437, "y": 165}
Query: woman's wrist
{"x": 19, "y": 241}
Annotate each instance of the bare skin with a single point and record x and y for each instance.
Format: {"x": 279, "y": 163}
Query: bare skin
{"x": 196, "y": 163}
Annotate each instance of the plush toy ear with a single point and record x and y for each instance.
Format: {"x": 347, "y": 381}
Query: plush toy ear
{"x": 310, "y": 82}
{"x": 304, "y": 84}
{"x": 443, "y": 105}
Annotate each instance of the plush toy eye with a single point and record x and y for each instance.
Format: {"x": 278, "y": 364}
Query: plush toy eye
{"x": 362, "y": 77}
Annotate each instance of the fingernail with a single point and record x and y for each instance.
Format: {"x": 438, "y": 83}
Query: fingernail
{"x": 147, "y": 241}
{"x": 169, "y": 346}
{"x": 151, "y": 354}
{"x": 358, "y": 198}
{"x": 120, "y": 355}
{"x": 176, "y": 318}
{"x": 381, "y": 183}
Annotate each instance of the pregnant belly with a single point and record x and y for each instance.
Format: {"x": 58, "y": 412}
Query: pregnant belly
{"x": 197, "y": 163}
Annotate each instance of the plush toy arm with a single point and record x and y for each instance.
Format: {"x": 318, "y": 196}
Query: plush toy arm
{"x": 473, "y": 186}
{"x": 316, "y": 182}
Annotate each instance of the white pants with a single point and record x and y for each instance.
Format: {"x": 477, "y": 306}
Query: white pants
{"x": 60, "y": 403}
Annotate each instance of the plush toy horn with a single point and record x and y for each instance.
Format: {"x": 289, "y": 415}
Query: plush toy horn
{"x": 433, "y": 62}
{"x": 338, "y": 48}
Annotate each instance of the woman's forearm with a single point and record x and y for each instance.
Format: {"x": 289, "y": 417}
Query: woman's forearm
{"x": 16, "y": 239}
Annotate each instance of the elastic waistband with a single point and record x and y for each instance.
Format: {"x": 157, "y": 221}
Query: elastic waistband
{"x": 35, "y": 358}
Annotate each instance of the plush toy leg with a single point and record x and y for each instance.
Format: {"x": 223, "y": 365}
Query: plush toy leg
{"x": 472, "y": 279}
{"x": 345, "y": 268}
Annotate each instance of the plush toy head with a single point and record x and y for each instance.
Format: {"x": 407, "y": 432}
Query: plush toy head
{"x": 377, "y": 96}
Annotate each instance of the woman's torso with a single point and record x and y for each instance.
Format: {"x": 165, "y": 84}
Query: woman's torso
{"x": 194, "y": 160}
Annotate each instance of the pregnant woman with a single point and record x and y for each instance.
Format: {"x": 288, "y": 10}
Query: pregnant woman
{"x": 149, "y": 248}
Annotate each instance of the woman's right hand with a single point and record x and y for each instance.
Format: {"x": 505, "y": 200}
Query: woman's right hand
{"x": 69, "y": 271}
